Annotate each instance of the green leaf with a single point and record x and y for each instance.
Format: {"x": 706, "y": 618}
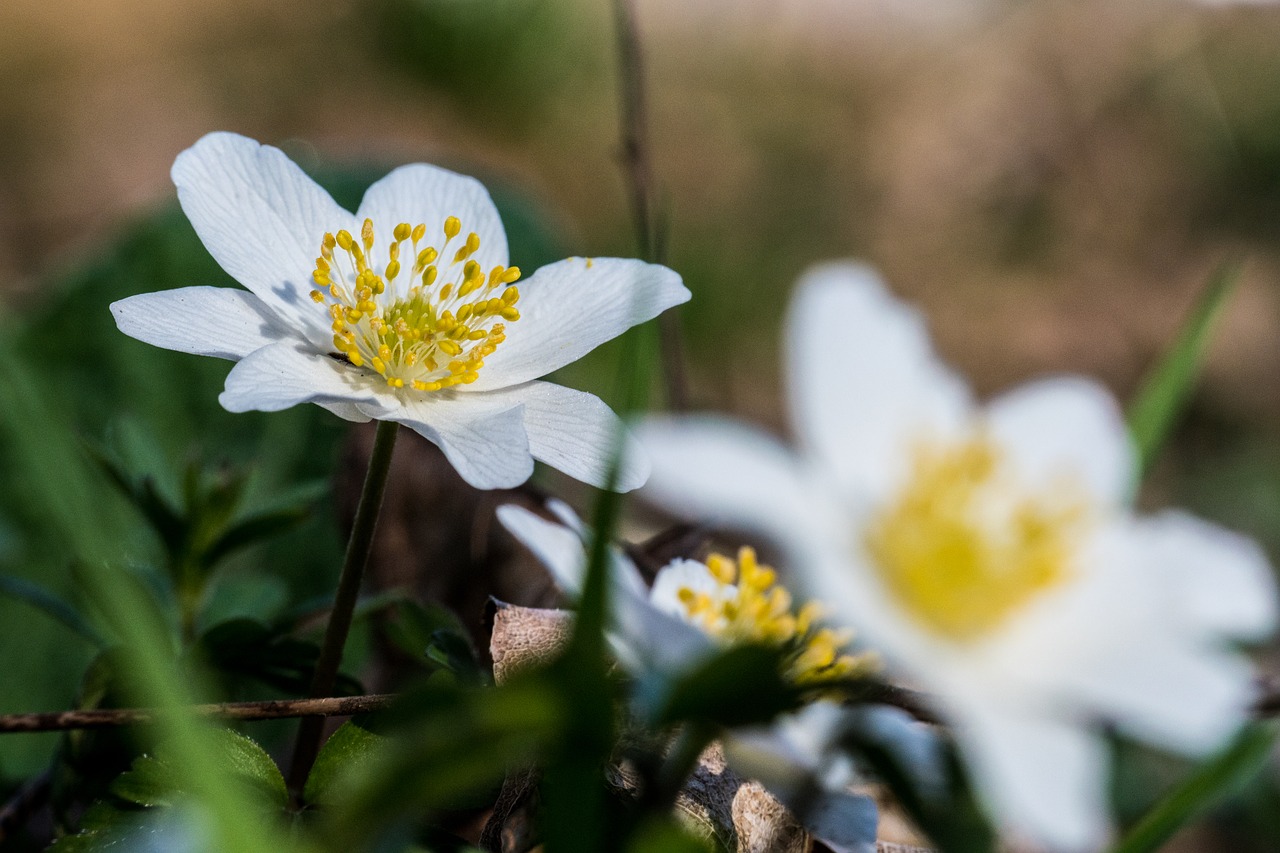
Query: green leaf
{"x": 51, "y": 605}
{"x": 739, "y": 686}
{"x": 248, "y": 648}
{"x": 1214, "y": 781}
{"x": 148, "y": 782}
{"x": 158, "y": 781}
{"x": 1165, "y": 391}
{"x": 252, "y": 530}
{"x": 344, "y": 752}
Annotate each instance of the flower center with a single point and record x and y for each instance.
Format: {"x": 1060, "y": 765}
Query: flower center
{"x": 429, "y": 330}
{"x": 743, "y": 602}
{"x": 964, "y": 546}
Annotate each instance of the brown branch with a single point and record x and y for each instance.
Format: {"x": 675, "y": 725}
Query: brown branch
{"x": 342, "y": 706}
{"x": 638, "y": 165}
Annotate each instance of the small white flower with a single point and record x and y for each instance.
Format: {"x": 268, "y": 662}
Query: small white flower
{"x": 403, "y": 311}
{"x": 693, "y": 605}
{"x": 989, "y": 553}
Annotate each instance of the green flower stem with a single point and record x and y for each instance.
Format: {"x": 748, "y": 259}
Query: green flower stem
{"x": 344, "y": 603}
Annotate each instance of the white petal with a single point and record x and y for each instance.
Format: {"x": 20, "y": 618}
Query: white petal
{"x": 216, "y": 321}
{"x": 863, "y": 378}
{"x": 558, "y": 547}
{"x": 1040, "y": 777}
{"x": 485, "y": 441}
{"x": 1067, "y": 427}
{"x": 1223, "y": 582}
{"x": 677, "y": 575}
{"x": 641, "y": 636}
{"x": 262, "y": 219}
{"x": 716, "y": 468}
{"x": 281, "y": 375}
{"x": 347, "y": 411}
{"x": 574, "y": 432}
{"x": 571, "y": 307}
{"x": 421, "y": 193}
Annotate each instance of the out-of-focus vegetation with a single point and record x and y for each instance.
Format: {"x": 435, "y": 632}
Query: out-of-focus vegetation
{"x": 1052, "y": 181}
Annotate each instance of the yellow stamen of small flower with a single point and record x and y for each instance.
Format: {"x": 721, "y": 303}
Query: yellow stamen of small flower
{"x": 750, "y": 606}
{"x": 413, "y": 339}
{"x": 965, "y": 546}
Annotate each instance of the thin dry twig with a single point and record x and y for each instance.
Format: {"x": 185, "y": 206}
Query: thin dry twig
{"x": 276, "y": 709}
{"x": 638, "y": 165}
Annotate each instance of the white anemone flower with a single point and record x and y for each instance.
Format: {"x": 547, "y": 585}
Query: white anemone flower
{"x": 693, "y": 606}
{"x": 989, "y": 553}
{"x": 405, "y": 311}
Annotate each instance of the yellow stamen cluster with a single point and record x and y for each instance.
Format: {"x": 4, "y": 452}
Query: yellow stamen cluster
{"x": 429, "y": 331}
{"x": 749, "y": 605}
{"x": 964, "y": 547}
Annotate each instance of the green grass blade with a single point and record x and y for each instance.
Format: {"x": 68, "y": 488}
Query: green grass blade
{"x": 64, "y": 486}
{"x": 1213, "y": 781}
{"x": 1165, "y": 391}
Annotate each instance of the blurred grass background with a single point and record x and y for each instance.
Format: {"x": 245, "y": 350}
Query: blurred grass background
{"x": 1052, "y": 181}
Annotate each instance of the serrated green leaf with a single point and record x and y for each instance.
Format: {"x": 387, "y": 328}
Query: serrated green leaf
{"x": 51, "y": 605}
{"x": 1214, "y": 781}
{"x": 1164, "y": 393}
{"x": 149, "y": 782}
{"x": 346, "y": 750}
{"x": 156, "y": 780}
{"x": 250, "y": 761}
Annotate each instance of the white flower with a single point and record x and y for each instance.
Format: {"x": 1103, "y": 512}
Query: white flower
{"x": 989, "y": 553}
{"x": 693, "y": 605}
{"x": 403, "y": 311}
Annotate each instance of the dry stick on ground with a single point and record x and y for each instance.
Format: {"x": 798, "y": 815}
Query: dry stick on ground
{"x": 1267, "y": 705}
{"x": 638, "y": 166}
{"x": 278, "y": 709}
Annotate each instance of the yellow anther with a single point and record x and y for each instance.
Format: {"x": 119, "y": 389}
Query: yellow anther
{"x": 759, "y": 611}
{"x": 406, "y": 338}
{"x": 511, "y": 276}
{"x": 511, "y": 295}
{"x": 965, "y": 545}
{"x": 510, "y": 314}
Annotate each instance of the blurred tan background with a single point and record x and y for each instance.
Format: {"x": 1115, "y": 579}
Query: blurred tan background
{"x": 1053, "y": 180}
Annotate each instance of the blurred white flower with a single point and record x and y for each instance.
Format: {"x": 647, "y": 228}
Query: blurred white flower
{"x": 403, "y": 311}
{"x": 990, "y": 553}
